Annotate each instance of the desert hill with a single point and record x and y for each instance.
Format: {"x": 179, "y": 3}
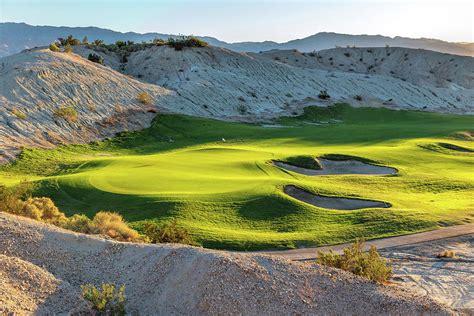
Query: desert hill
{"x": 174, "y": 279}
{"x": 15, "y": 37}
{"x": 39, "y": 88}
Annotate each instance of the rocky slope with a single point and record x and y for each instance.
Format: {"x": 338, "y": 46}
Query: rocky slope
{"x": 173, "y": 279}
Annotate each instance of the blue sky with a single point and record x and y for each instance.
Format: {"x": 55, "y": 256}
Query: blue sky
{"x": 256, "y": 20}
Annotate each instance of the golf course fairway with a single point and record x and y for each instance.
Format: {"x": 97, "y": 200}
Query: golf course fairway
{"x": 218, "y": 180}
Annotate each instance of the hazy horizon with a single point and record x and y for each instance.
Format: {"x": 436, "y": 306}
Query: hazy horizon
{"x": 239, "y": 21}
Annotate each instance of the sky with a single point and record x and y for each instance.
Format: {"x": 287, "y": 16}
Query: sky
{"x": 257, "y": 20}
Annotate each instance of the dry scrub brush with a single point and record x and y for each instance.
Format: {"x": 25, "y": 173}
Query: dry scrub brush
{"x": 369, "y": 265}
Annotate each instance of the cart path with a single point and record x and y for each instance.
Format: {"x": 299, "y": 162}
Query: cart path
{"x": 382, "y": 243}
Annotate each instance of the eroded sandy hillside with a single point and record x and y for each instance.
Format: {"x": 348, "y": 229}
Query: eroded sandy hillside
{"x": 173, "y": 279}
{"x": 211, "y": 82}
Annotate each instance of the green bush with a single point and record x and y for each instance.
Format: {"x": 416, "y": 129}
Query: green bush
{"x": 369, "y": 265}
{"x": 79, "y": 223}
{"x": 324, "y": 95}
{"x": 106, "y": 299}
{"x": 69, "y": 41}
{"x": 308, "y": 162}
{"x": 54, "y": 48}
{"x": 168, "y": 233}
{"x": 182, "y": 41}
{"x": 96, "y": 58}
{"x": 67, "y": 112}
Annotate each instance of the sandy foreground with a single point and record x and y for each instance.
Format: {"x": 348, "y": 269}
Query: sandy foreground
{"x": 450, "y": 281}
{"x": 42, "y": 268}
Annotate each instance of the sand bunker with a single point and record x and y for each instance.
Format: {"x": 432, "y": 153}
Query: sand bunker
{"x": 332, "y": 202}
{"x": 335, "y": 167}
{"x": 456, "y": 147}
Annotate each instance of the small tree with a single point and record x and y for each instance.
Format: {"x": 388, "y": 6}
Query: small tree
{"x": 85, "y": 40}
{"x": 98, "y": 42}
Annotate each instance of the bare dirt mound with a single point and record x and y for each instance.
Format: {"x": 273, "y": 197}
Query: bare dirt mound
{"x": 26, "y": 288}
{"x": 339, "y": 167}
{"x": 333, "y": 203}
{"x": 173, "y": 279}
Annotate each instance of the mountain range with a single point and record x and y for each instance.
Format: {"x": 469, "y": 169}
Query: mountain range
{"x": 15, "y": 37}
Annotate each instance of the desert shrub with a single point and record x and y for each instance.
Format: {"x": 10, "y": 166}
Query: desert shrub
{"x": 70, "y": 40}
{"x": 114, "y": 226}
{"x": 98, "y": 42}
{"x": 447, "y": 254}
{"x": 242, "y": 109}
{"x": 159, "y": 42}
{"x": 323, "y": 94}
{"x": 54, "y": 48}
{"x": 85, "y": 40}
{"x": 19, "y": 114}
{"x": 11, "y": 198}
{"x": 358, "y": 97}
{"x": 106, "y": 299}
{"x": 369, "y": 265}
{"x": 68, "y": 49}
{"x": 308, "y": 162}
{"x": 44, "y": 206}
{"x": 144, "y": 98}
{"x": 168, "y": 233}
{"x": 96, "y": 58}
{"x": 79, "y": 223}
{"x": 67, "y": 112}
{"x": 241, "y": 99}
{"x": 120, "y": 44}
{"x": 182, "y": 41}
{"x": 17, "y": 200}
{"x": 347, "y": 54}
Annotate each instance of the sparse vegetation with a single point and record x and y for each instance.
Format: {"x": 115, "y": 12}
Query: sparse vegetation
{"x": 168, "y": 233}
{"x": 369, "y": 265}
{"x": 106, "y": 299}
{"x": 69, "y": 41}
{"x": 19, "y": 114}
{"x": 242, "y": 109}
{"x": 324, "y": 95}
{"x": 447, "y": 254}
{"x": 113, "y": 225}
{"x": 358, "y": 97}
{"x": 144, "y": 98}
{"x": 54, "y": 48}
{"x": 182, "y": 41}
{"x": 96, "y": 58}
{"x": 67, "y": 112}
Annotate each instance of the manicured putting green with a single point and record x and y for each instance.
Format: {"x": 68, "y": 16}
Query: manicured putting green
{"x": 230, "y": 195}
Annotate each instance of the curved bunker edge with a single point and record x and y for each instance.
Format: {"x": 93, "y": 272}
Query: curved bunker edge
{"x": 339, "y": 167}
{"x": 333, "y": 203}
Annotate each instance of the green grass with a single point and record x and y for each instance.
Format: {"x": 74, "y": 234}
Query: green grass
{"x": 230, "y": 196}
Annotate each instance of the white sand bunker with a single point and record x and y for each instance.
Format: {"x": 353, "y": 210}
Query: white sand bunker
{"x": 333, "y": 203}
{"x": 335, "y": 167}
{"x": 456, "y": 147}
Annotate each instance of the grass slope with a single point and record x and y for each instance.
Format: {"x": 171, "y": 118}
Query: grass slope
{"x": 229, "y": 195}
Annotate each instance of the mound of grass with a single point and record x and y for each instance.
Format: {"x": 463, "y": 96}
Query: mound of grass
{"x": 144, "y": 98}
{"x": 341, "y": 157}
{"x": 447, "y": 254}
{"x": 227, "y": 194}
{"x": 303, "y": 161}
{"x": 369, "y": 265}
